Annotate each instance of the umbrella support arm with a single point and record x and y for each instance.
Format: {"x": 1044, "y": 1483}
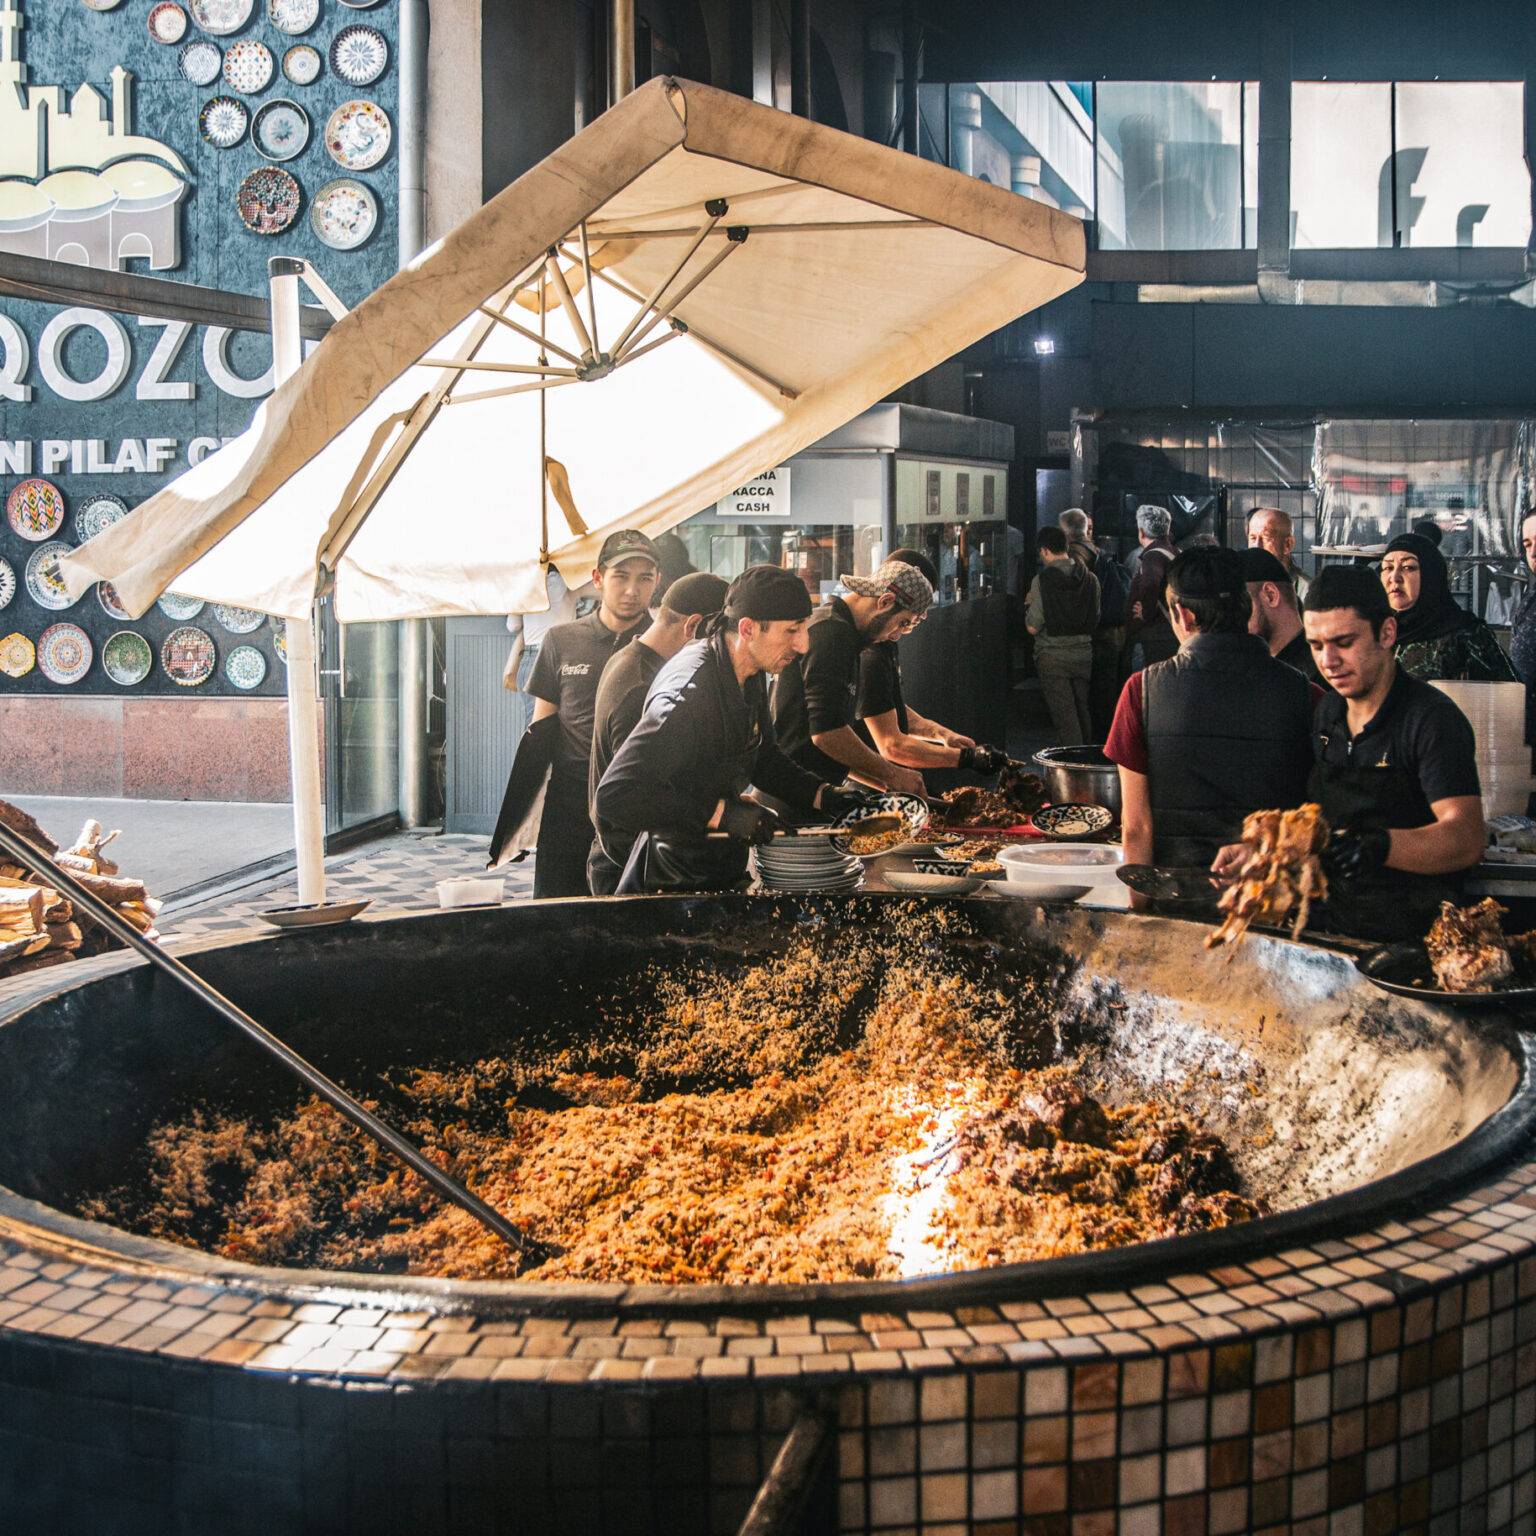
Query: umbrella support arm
{"x": 60, "y": 879}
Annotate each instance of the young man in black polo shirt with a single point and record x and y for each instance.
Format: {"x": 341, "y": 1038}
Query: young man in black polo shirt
{"x": 1395, "y": 770}
{"x": 564, "y": 683}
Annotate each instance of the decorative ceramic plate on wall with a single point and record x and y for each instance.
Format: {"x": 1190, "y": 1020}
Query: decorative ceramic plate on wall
{"x": 280, "y": 641}
{"x": 98, "y": 512}
{"x": 167, "y": 22}
{"x": 223, "y": 121}
{"x": 268, "y": 200}
{"x": 221, "y": 17}
{"x": 344, "y": 214}
{"x": 64, "y": 653}
{"x": 17, "y": 656}
{"x": 111, "y": 603}
{"x": 301, "y": 64}
{"x": 238, "y": 621}
{"x": 249, "y": 66}
{"x": 174, "y": 606}
{"x": 101, "y": 5}
{"x": 280, "y": 130}
{"x": 200, "y": 62}
{"x": 188, "y": 656}
{"x": 127, "y": 658}
{"x": 245, "y": 667}
{"x": 359, "y": 54}
{"x": 7, "y": 582}
{"x": 35, "y": 509}
{"x": 359, "y": 5}
{"x": 44, "y": 584}
{"x": 358, "y": 134}
{"x": 293, "y": 16}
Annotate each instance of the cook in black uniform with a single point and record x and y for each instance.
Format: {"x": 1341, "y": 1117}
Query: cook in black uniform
{"x": 627, "y": 679}
{"x": 564, "y": 682}
{"x": 1276, "y": 617}
{"x": 706, "y": 736}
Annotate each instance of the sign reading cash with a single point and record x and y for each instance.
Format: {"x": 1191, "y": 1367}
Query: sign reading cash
{"x": 766, "y": 496}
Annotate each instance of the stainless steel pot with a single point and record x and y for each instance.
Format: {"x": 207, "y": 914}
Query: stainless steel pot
{"x": 1080, "y": 776}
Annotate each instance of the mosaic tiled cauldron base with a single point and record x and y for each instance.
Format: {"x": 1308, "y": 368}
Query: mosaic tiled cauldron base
{"x": 1365, "y": 1365}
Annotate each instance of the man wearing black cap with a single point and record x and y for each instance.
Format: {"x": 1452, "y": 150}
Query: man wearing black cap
{"x": 564, "y": 683}
{"x": 705, "y": 737}
{"x": 1276, "y": 617}
{"x": 1214, "y": 732}
{"x": 1395, "y": 770}
{"x": 626, "y": 681}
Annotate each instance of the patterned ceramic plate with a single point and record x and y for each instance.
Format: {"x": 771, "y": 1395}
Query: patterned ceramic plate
{"x": 17, "y": 656}
{"x": 44, "y": 584}
{"x": 200, "y": 62}
{"x": 238, "y": 621}
{"x": 248, "y": 66}
{"x": 280, "y": 640}
{"x": 344, "y": 214}
{"x": 223, "y": 121}
{"x": 301, "y": 64}
{"x": 188, "y": 656}
{"x": 359, "y": 55}
{"x": 7, "y": 582}
{"x": 359, "y": 5}
{"x": 111, "y": 604}
{"x": 221, "y": 17}
{"x": 268, "y": 201}
{"x": 64, "y": 653}
{"x": 293, "y": 16}
{"x": 358, "y": 135}
{"x": 167, "y": 22}
{"x": 35, "y": 509}
{"x": 101, "y": 5}
{"x": 127, "y": 658}
{"x": 98, "y": 512}
{"x": 280, "y": 130}
{"x": 246, "y": 667}
{"x": 174, "y": 606}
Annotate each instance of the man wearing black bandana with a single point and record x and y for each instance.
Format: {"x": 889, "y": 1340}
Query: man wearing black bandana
{"x": 705, "y": 738}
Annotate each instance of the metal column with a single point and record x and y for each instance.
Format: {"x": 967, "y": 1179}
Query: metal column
{"x": 621, "y": 49}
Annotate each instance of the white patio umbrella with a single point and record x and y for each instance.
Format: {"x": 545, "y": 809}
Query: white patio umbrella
{"x": 686, "y": 293}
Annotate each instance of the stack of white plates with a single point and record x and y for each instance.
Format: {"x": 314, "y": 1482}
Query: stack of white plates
{"x": 805, "y": 864}
{"x": 1497, "y": 714}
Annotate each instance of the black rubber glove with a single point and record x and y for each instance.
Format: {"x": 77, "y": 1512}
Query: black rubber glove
{"x": 983, "y": 759}
{"x": 1351, "y": 852}
{"x": 751, "y": 823}
{"x": 836, "y": 800}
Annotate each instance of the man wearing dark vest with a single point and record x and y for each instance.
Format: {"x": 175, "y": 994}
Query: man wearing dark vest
{"x": 1214, "y": 732}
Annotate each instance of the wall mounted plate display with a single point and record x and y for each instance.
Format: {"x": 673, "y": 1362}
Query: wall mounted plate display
{"x": 221, "y": 17}
{"x": 280, "y": 640}
{"x": 97, "y": 512}
{"x": 7, "y": 582}
{"x": 301, "y": 64}
{"x": 280, "y": 130}
{"x": 188, "y": 656}
{"x": 238, "y": 621}
{"x": 111, "y": 604}
{"x": 127, "y": 658}
{"x": 223, "y": 121}
{"x": 358, "y": 134}
{"x": 359, "y": 54}
{"x": 167, "y": 22}
{"x": 249, "y": 66}
{"x": 17, "y": 656}
{"x": 245, "y": 667}
{"x": 293, "y": 16}
{"x": 344, "y": 214}
{"x": 44, "y": 584}
{"x": 64, "y": 653}
{"x": 268, "y": 201}
{"x": 35, "y": 509}
{"x": 201, "y": 62}
{"x": 174, "y": 606}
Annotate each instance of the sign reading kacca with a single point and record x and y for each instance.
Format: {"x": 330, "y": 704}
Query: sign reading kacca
{"x": 76, "y": 184}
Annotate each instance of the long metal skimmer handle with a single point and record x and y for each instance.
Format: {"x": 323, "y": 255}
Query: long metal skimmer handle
{"x": 30, "y": 857}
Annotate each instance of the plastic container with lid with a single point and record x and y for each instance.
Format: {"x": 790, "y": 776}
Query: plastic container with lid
{"x": 1090, "y": 864}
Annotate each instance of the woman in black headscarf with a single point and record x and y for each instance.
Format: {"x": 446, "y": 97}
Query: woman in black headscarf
{"x": 1436, "y": 637}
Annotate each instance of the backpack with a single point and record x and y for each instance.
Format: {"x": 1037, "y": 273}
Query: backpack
{"x": 1114, "y": 590}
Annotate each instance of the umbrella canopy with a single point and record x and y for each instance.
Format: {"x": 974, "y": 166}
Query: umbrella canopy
{"x": 689, "y": 291}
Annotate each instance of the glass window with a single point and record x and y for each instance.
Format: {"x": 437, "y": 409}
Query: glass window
{"x": 956, "y": 514}
{"x": 1341, "y": 143}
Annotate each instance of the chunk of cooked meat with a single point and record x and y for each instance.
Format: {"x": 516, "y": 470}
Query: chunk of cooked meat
{"x": 1280, "y": 878}
{"x": 1467, "y": 949}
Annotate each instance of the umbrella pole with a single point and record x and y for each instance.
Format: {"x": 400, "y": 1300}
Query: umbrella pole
{"x": 303, "y": 671}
